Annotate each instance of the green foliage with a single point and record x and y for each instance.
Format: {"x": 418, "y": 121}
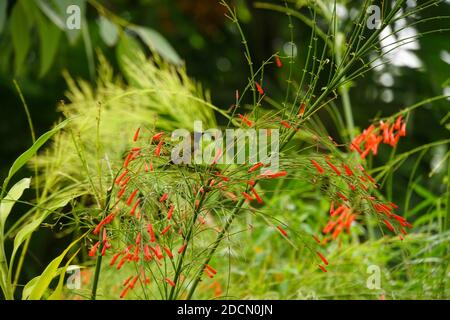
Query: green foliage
{"x": 76, "y": 173}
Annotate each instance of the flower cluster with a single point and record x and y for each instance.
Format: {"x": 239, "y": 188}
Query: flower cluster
{"x": 369, "y": 140}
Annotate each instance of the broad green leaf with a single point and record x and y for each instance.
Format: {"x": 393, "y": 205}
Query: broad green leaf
{"x": 2, "y": 14}
{"x": 13, "y": 195}
{"x": 56, "y": 295}
{"x": 49, "y": 36}
{"x": 28, "y": 288}
{"x": 20, "y": 23}
{"x": 49, "y": 273}
{"x": 108, "y": 31}
{"x": 54, "y": 16}
{"x": 24, "y": 157}
{"x": 155, "y": 41}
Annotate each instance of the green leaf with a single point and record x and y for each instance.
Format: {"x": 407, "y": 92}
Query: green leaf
{"x": 155, "y": 41}
{"x": 54, "y": 16}
{"x": 24, "y": 157}
{"x": 44, "y": 280}
{"x": 108, "y": 31}
{"x": 3, "y": 7}
{"x": 13, "y": 195}
{"x": 20, "y": 23}
{"x": 56, "y": 295}
{"x": 29, "y": 287}
{"x": 49, "y": 36}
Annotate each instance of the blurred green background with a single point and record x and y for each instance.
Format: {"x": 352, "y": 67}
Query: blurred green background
{"x": 211, "y": 49}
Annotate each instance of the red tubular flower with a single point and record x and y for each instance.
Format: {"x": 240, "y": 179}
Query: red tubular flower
{"x": 170, "y": 282}
{"x": 122, "y": 262}
{"x": 269, "y": 175}
{"x": 283, "y": 232}
{"x": 393, "y": 205}
{"x": 97, "y": 228}
{"x": 316, "y": 239}
{"x": 322, "y": 257}
{"x": 133, "y": 282}
{"x": 150, "y": 232}
{"x": 157, "y": 136}
{"x": 180, "y": 251}
{"x": 163, "y": 198}
{"x": 114, "y": 259}
{"x": 259, "y": 89}
{"x": 318, "y": 167}
{"x": 337, "y": 232}
{"x": 245, "y": 120}
{"x": 285, "y": 124}
{"x": 255, "y": 167}
{"x": 398, "y": 123}
{"x": 258, "y": 198}
{"x": 340, "y": 195}
{"x": 169, "y": 253}
{"x": 348, "y": 171}
{"x": 119, "y": 178}
{"x": 213, "y": 271}
{"x": 157, "y": 251}
{"x": 369, "y": 177}
{"x": 208, "y": 273}
{"x": 388, "y": 225}
{"x": 94, "y": 248}
{"x": 330, "y": 226}
{"x": 158, "y": 148}
{"x": 124, "y": 292}
{"x": 247, "y": 197}
{"x": 131, "y": 197}
{"x": 333, "y": 167}
{"x": 105, "y": 247}
{"x": 278, "y": 61}
{"x": 166, "y": 229}
{"x": 331, "y": 207}
{"x": 403, "y": 130}
{"x": 127, "y": 159}
{"x": 127, "y": 281}
{"x": 301, "y": 110}
{"x": 170, "y": 212}
{"x": 124, "y": 182}
{"x": 133, "y": 210}
{"x": 138, "y": 238}
{"x": 338, "y": 210}
{"x": 147, "y": 254}
{"x": 322, "y": 268}
{"x": 136, "y": 134}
